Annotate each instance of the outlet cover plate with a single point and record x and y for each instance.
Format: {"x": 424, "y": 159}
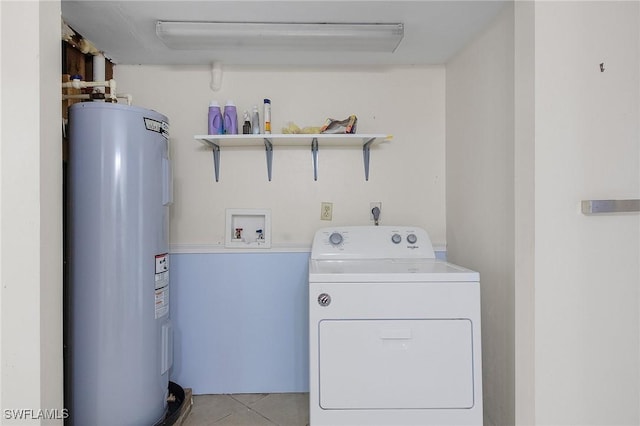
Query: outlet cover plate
{"x": 326, "y": 210}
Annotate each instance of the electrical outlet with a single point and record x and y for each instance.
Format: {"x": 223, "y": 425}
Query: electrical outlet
{"x": 326, "y": 210}
{"x": 373, "y": 204}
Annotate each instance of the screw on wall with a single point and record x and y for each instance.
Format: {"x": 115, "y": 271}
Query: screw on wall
{"x": 601, "y": 66}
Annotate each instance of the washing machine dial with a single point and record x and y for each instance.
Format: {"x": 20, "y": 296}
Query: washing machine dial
{"x": 336, "y": 239}
{"x": 396, "y": 238}
{"x": 412, "y": 239}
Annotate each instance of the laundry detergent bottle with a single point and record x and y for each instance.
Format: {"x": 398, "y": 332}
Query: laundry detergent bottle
{"x": 230, "y": 119}
{"x": 215, "y": 119}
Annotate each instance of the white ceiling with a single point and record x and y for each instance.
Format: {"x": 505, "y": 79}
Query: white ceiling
{"x": 125, "y": 30}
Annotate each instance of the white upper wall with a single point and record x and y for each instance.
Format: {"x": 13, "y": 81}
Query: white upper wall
{"x": 587, "y": 268}
{"x": 480, "y": 197}
{"x": 31, "y": 373}
{"x": 406, "y": 174}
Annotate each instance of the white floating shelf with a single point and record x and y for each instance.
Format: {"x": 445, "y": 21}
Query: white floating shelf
{"x": 314, "y": 141}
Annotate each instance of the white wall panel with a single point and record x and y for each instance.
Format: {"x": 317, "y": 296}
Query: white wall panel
{"x": 587, "y": 267}
{"x": 480, "y": 197}
{"x": 407, "y": 174}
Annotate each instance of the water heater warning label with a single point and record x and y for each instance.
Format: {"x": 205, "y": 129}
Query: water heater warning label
{"x": 161, "y": 127}
{"x": 162, "y": 285}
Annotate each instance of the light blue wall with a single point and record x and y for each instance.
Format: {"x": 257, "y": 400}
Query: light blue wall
{"x": 241, "y": 322}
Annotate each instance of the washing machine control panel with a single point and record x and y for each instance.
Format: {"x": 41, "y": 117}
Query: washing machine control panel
{"x": 372, "y": 242}
{"x": 336, "y": 238}
{"x": 411, "y": 238}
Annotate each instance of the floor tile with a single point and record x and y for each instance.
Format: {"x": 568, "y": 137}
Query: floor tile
{"x": 246, "y": 417}
{"x": 284, "y": 409}
{"x": 208, "y": 409}
{"x": 248, "y": 398}
{"x": 252, "y": 409}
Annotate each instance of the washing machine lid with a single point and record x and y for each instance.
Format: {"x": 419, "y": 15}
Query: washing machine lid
{"x": 389, "y": 270}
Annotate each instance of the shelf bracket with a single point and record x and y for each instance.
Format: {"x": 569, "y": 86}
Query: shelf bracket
{"x": 215, "y": 148}
{"x": 366, "y": 145}
{"x": 314, "y": 157}
{"x": 268, "y": 146}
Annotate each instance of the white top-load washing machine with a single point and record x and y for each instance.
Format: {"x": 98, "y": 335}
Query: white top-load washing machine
{"x": 394, "y": 332}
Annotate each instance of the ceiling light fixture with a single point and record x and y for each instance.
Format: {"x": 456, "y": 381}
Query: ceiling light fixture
{"x": 328, "y": 37}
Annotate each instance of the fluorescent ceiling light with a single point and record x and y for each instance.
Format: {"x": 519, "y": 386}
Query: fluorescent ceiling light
{"x": 280, "y": 36}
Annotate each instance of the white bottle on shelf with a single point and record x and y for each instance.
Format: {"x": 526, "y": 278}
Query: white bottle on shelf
{"x": 255, "y": 121}
{"x": 267, "y": 116}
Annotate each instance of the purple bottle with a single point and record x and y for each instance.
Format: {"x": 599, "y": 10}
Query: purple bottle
{"x": 230, "y": 119}
{"x": 215, "y": 119}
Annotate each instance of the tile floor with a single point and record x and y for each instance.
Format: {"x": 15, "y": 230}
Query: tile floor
{"x": 253, "y": 409}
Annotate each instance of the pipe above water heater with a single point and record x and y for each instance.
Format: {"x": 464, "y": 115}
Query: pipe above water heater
{"x": 99, "y": 84}
{"x": 126, "y": 96}
{"x": 112, "y": 96}
{"x": 99, "y": 73}
{"x": 80, "y": 84}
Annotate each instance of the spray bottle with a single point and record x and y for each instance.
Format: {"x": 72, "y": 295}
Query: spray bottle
{"x": 246, "y": 126}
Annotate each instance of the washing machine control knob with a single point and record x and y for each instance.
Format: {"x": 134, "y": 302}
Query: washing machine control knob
{"x": 335, "y": 238}
{"x": 396, "y": 238}
{"x": 412, "y": 239}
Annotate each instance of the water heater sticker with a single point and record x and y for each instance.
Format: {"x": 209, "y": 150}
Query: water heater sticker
{"x": 162, "y": 279}
{"x": 162, "y": 263}
{"x": 161, "y": 127}
{"x": 162, "y": 285}
{"x": 162, "y": 302}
